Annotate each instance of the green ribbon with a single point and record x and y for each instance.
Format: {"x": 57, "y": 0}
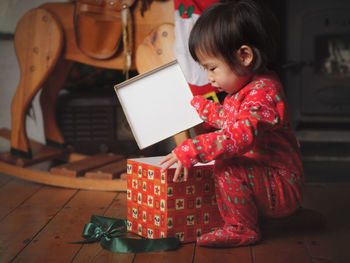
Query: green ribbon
{"x": 109, "y": 232}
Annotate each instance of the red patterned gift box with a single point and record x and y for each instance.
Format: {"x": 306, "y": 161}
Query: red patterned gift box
{"x": 158, "y": 207}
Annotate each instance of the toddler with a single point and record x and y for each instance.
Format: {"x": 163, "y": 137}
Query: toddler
{"x": 258, "y": 171}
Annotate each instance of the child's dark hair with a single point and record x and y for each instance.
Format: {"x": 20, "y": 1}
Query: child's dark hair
{"x": 224, "y": 27}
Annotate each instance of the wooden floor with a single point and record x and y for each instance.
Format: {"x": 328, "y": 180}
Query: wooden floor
{"x": 37, "y": 222}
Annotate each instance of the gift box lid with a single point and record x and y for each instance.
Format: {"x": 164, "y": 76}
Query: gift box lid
{"x": 157, "y": 104}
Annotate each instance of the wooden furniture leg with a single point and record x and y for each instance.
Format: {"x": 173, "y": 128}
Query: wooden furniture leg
{"x": 38, "y": 44}
{"x": 48, "y": 97}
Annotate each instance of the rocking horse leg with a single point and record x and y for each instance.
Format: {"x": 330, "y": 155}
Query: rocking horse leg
{"x": 48, "y": 97}
{"x": 19, "y": 141}
{"x": 38, "y": 44}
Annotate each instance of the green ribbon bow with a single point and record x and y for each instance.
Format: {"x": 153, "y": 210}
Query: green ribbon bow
{"x": 109, "y": 232}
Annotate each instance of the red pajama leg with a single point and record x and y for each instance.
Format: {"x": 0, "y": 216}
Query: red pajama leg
{"x": 237, "y": 208}
{"x": 244, "y": 188}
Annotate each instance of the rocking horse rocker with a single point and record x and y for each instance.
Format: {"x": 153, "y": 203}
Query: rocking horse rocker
{"x": 48, "y": 40}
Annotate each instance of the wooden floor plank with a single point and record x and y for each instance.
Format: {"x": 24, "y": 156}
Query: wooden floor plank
{"x": 66, "y": 227}
{"x": 215, "y": 255}
{"x": 283, "y": 247}
{"x": 320, "y": 260}
{"x": 93, "y": 253}
{"x": 183, "y": 254}
{"x": 284, "y": 239}
{"x": 9, "y": 201}
{"x": 39, "y": 230}
{"x": 21, "y": 226}
{"x": 4, "y": 179}
{"x": 332, "y": 242}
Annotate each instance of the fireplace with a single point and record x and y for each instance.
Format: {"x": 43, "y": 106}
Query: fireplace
{"x": 316, "y": 75}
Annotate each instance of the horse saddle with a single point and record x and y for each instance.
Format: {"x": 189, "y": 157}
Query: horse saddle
{"x": 98, "y": 26}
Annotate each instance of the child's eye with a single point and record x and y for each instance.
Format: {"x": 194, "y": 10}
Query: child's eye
{"x": 212, "y": 69}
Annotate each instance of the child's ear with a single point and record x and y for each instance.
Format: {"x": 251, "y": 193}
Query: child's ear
{"x": 245, "y": 55}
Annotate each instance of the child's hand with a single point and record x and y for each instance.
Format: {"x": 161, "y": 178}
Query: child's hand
{"x": 168, "y": 161}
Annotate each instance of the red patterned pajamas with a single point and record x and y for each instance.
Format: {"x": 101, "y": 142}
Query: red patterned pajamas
{"x": 258, "y": 171}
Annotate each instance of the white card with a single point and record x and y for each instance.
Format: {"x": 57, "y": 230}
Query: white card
{"x": 157, "y": 104}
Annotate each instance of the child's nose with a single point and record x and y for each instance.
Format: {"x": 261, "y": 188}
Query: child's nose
{"x": 210, "y": 77}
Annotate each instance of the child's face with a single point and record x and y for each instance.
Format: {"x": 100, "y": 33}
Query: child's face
{"x": 221, "y": 75}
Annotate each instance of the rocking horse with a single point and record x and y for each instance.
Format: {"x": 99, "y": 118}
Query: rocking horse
{"x": 48, "y": 40}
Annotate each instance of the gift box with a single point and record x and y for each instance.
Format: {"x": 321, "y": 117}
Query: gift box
{"x": 158, "y": 207}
